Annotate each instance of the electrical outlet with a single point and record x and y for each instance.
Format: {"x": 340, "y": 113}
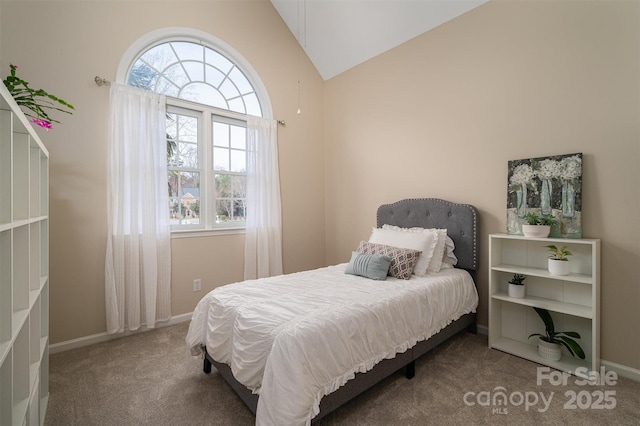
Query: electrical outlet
{"x": 197, "y": 285}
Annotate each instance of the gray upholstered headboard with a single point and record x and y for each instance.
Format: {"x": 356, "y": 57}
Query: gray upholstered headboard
{"x": 460, "y": 221}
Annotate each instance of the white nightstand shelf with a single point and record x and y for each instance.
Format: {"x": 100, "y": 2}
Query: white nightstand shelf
{"x": 572, "y": 300}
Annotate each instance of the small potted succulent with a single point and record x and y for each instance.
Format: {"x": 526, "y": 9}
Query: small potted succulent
{"x": 550, "y": 344}
{"x": 558, "y": 261}
{"x": 516, "y": 286}
{"x": 537, "y": 226}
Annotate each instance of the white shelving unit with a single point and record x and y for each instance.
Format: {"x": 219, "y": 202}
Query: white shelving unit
{"x": 573, "y": 300}
{"x": 24, "y": 269}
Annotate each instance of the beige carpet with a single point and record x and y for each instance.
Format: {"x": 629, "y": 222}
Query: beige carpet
{"x": 150, "y": 378}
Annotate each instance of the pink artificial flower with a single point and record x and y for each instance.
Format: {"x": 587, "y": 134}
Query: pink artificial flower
{"x": 42, "y": 123}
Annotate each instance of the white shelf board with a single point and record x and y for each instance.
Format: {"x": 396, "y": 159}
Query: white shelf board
{"x": 544, "y": 273}
{"x": 566, "y": 363}
{"x": 551, "y": 305}
{"x": 550, "y": 239}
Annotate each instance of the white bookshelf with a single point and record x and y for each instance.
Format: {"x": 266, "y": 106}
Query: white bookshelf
{"x": 24, "y": 269}
{"x": 572, "y": 300}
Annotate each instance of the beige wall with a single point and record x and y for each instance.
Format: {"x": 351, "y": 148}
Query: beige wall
{"x": 441, "y": 115}
{"x": 61, "y": 46}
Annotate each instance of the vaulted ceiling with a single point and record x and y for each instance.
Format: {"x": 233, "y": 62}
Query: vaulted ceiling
{"x": 340, "y": 34}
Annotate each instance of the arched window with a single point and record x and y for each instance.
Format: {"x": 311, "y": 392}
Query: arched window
{"x": 194, "y": 72}
{"x": 210, "y": 91}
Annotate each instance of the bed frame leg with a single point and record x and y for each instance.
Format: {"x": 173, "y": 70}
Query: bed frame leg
{"x": 207, "y": 365}
{"x": 410, "y": 370}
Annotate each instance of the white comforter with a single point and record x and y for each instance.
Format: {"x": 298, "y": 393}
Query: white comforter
{"x": 295, "y": 338}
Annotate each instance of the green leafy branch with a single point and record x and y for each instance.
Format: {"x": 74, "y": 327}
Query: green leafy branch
{"x": 36, "y": 100}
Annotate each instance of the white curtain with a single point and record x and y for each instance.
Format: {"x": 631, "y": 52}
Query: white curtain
{"x": 138, "y": 259}
{"x": 263, "y": 243}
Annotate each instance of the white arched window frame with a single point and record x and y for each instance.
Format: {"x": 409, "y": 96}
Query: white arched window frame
{"x": 209, "y": 123}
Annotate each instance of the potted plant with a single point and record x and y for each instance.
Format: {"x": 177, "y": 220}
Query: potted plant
{"x": 516, "y": 286}
{"x": 538, "y": 226}
{"x": 558, "y": 261}
{"x": 550, "y": 344}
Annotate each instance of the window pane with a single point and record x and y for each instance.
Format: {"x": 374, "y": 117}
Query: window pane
{"x": 172, "y": 128}
{"x": 223, "y": 211}
{"x": 220, "y": 134}
{"x": 174, "y": 211}
{"x": 239, "y": 186}
{"x": 238, "y": 161}
{"x": 253, "y": 106}
{"x": 204, "y": 94}
{"x": 221, "y": 159}
{"x": 172, "y": 177}
{"x": 214, "y": 77}
{"x": 142, "y": 76}
{"x": 189, "y": 198}
{"x": 159, "y": 57}
{"x": 238, "y": 137}
{"x": 188, "y": 129}
{"x": 186, "y": 148}
{"x": 218, "y": 61}
{"x": 186, "y": 50}
{"x": 223, "y": 184}
{"x": 176, "y": 75}
{"x": 240, "y": 81}
{"x": 195, "y": 70}
{"x": 166, "y": 87}
{"x": 228, "y": 89}
{"x": 237, "y": 105}
{"x": 239, "y": 210}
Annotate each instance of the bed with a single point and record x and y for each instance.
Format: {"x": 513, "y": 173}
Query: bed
{"x": 293, "y": 361}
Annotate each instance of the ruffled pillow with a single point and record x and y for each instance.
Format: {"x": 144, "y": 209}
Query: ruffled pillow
{"x": 428, "y": 241}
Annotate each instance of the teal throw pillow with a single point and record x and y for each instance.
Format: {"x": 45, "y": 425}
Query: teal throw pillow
{"x": 374, "y": 266}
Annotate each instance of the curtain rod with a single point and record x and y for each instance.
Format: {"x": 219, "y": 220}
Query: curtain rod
{"x": 104, "y": 82}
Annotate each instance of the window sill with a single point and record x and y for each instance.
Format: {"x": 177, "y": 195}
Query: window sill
{"x": 191, "y": 233}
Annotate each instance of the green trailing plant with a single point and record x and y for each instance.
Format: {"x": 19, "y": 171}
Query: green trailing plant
{"x": 533, "y": 218}
{"x": 518, "y": 279}
{"x": 559, "y": 253}
{"x": 564, "y": 338}
{"x": 38, "y": 101}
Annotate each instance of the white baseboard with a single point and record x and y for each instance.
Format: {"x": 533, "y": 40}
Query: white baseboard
{"x": 103, "y": 337}
{"x": 622, "y": 370}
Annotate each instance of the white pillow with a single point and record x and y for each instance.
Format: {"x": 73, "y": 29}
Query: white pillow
{"x": 424, "y": 241}
{"x": 438, "y": 256}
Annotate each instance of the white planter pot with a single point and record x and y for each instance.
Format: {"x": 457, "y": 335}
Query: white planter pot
{"x": 552, "y": 351}
{"x": 536, "y": 231}
{"x": 559, "y": 267}
{"x": 516, "y": 291}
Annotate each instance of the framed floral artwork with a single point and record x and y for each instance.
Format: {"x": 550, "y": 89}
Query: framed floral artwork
{"x": 546, "y": 186}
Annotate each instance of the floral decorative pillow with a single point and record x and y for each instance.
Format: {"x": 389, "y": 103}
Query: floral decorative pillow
{"x": 402, "y": 260}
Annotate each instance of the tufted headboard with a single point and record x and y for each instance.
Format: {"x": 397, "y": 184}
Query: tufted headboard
{"x": 460, "y": 221}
